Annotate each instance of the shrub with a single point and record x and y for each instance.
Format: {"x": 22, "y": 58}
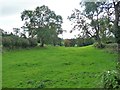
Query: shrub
{"x": 22, "y": 43}
{"x": 112, "y": 46}
{"x": 12, "y": 42}
{"x": 67, "y": 43}
{"x": 97, "y": 45}
{"x": 88, "y": 41}
{"x": 0, "y": 40}
{"x": 72, "y": 42}
{"x": 25, "y": 43}
{"x": 18, "y": 42}
{"x": 84, "y": 41}
{"x": 32, "y": 42}
{"x": 7, "y": 41}
{"x": 14, "y": 39}
{"x": 111, "y": 79}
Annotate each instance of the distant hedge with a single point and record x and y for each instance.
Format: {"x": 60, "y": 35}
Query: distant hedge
{"x": 12, "y": 42}
{"x": 84, "y": 42}
{"x": 79, "y": 42}
{"x": 32, "y": 42}
{"x": 69, "y": 42}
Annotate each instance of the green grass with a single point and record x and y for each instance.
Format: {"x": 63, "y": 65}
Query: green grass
{"x": 56, "y": 67}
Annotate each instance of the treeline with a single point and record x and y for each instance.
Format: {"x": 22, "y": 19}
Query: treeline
{"x": 11, "y": 41}
{"x": 14, "y": 41}
{"x": 79, "y": 42}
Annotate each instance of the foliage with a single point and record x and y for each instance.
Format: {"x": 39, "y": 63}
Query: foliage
{"x": 6, "y": 41}
{"x": 117, "y": 30}
{"x": 117, "y": 21}
{"x": 43, "y": 23}
{"x": 113, "y": 46}
{"x": 97, "y": 45}
{"x": 84, "y": 41}
{"x": 94, "y": 21}
{"x": 69, "y": 42}
{"x": 12, "y": 42}
{"x": 16, "y": 30}
{"x": 111, "y": 80}
{"x": 24, "y": 43}
{"x": 32, "y": 42}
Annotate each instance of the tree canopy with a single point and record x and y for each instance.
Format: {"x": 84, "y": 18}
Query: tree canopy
{"x": 43, "y": 23}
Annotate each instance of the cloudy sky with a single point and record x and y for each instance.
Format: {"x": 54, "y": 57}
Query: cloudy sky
{"x": 10, "y": 11}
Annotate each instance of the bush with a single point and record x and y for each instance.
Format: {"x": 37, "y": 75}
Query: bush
{"x": 88, "y": 41}
{"x": 7, "y": 42}
{"x": 0, "y": 40}
{"x": 84, "y": 41}
{"x": 18, "y": 42}
{"x": 67, "y": 43}
{"x": 14, "y": 39}
{"x": 111, "y": 79}
{"x": 97, "y": 45}
{"x": 22, "y": 43}
{"x": 112, "y": 46}
{"x": 72, "y": 42}
{"x": 12, "y": 42}
{"x": 25, "y": 43}
{"x": 32, "y": 42}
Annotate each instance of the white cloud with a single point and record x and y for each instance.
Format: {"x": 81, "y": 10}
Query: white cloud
{"x": 10, "y": 11}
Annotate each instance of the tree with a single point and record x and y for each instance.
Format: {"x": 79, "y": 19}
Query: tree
{"x": 56, "y": 29}
{"x": 29, "y": 25}
{"x": 94, "y": 21}
{"x": 43, "y": 23}
{"x": 43, "y": 16}
{"x": 117, "y": 29}
{"x": 92, "y": 11}
{"x": 16, "y": 30}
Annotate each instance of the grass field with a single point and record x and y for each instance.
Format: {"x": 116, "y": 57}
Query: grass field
{"x": 56, "y": 67}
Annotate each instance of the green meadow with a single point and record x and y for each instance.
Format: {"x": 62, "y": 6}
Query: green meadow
{"x": 56, "y": 67}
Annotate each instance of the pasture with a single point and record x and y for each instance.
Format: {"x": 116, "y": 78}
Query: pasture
{"x": 56, "y": 67}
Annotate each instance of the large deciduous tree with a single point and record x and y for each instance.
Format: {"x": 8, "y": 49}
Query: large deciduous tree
{"x": 43, "y": 23}
{"x": 117, "y": 28}
{"x": 29, "y": 25}
{"x": 94, "y": 21}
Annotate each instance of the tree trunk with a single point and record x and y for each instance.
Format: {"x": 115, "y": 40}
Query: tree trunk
{"x": 97, "y": 32}
{"x": 118, "y": 63}
{"x": 42, "y": 43}
{"x": 117, "y": 31}
{"x": 97, "y": 37}
{"x": 54, "y": 44}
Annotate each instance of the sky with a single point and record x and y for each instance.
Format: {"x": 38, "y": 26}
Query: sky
{"x": 10, "y": 12}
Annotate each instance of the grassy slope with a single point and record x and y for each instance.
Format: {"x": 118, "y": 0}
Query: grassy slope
{"x": 55, "y": 67}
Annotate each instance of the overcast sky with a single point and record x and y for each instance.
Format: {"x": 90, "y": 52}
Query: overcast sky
{"x": 10, "y": 11}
